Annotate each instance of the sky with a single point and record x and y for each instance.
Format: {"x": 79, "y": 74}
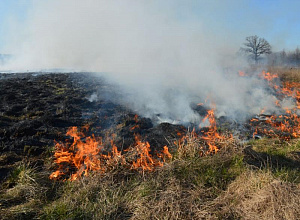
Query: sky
{"x": 278, "y": 21}
{"x": 11, "y": 11}
{"x": 163, "y": 54}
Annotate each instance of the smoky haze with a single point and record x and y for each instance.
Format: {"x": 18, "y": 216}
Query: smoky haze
{"x": 162, "y": 60}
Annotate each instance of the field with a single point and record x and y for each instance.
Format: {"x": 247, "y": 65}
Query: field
{"x": 256, "y": 179}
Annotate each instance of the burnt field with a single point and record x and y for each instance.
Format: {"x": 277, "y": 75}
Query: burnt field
{"x": 37, "y": 110}
{"x": 68, "y": 151}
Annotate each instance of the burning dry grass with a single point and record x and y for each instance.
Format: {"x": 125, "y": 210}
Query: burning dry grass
{"x": 193, "y": 183}
{"x": 82, "y": 154}
{"x": 286, "y": 125}
{"x": 192, "y": 145}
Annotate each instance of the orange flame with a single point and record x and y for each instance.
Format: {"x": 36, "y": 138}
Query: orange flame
{"x": 241, "y": 73}
{"x": 85, "y": 156}
{"x": 145, "y": 160}
{"x": 136, "y": 121}
{"x": 165, "y": 155}
{"x": 268, "y": 76}
{"x": 283, "y": 126}
{"x": 212, "y": 135}
{"x": 81, "y": 155}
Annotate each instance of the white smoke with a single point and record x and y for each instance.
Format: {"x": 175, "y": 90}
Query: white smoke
{"x": 164, "y": 58}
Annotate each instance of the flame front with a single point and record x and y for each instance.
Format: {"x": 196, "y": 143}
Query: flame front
{"x": 85, "y": 154}
{"x": 81, "y": 157}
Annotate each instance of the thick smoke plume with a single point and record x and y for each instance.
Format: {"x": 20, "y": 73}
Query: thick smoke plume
{"x": 163, "y": 56}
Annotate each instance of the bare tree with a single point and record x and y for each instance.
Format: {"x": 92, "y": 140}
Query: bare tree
{"x": 256, "y": 46}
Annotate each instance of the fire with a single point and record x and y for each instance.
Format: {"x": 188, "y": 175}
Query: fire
{"x": 165, "y": 154}
{"x": 241, "y": 73}
{"x": 144, "y": 160}
{"x": 85, "y": 154}
{"x": 136, "y": 121}
{"x": 284, "y": 126}
{"x": 208, "y": 139}
{"x": 268, "y": 76}
{"x": 211, "y": 135}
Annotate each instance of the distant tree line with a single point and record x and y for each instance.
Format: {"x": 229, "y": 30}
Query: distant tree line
{"x": 289, "y": 58}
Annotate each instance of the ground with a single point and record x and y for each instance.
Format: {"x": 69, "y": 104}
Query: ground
{"x": 255, "y": 180}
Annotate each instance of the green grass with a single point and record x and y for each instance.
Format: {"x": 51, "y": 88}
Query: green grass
{"x": 275, "y": 146}
{"x": 280, "y": 158}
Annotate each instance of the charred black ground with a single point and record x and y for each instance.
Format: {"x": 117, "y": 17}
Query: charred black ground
{"x": 36, "y": 110}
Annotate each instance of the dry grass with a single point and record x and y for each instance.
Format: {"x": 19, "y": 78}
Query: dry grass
{"x": 23, "y": 192}
{"x": 179, "y": 190}
{"x": 190, "y": 186}
{"x": 258, "y": 195}
{"x": 291, "y": 74}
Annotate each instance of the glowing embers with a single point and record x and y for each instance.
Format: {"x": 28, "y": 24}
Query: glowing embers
{"x": 85, "y": 154}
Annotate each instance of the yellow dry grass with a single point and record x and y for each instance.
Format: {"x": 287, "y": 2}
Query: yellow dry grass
{"x": 258, "y": 195}
{"x": 291, "y": 74}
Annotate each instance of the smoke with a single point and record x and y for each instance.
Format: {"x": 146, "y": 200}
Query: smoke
{"x": 163, "y": 55}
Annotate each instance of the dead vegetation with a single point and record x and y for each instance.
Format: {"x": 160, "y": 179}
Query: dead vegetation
{"x": 259, "y": 195}
{"x": 189, "y": 186}
{"x": 291, "y": 74}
